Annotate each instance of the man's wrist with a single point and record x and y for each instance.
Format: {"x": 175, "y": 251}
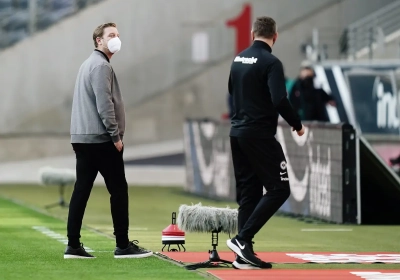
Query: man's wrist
{"x": 115, "y": 139}
{"x": 298, "y": 127}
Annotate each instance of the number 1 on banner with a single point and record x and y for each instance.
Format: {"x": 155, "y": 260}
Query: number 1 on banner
{"x": 242, "y": 26}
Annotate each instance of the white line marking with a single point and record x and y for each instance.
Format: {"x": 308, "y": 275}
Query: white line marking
{"x": 56, "y": 236}
{"x": 112, "y": 229}
{"x": 347, "y": 258}
{"x": 324, "y": 84}
{"x": 139, "y": 228}
{"x": 344, "y": 94}
{"x": 326, "y": 229}
{"x": 376, "y": 275}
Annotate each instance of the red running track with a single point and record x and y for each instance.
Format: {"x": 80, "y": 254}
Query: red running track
{"x": 288, "y": 257}
{"x": 278, "y": 274}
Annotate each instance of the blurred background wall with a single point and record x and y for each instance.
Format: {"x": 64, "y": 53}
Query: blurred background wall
{"x": 173, "y": 64}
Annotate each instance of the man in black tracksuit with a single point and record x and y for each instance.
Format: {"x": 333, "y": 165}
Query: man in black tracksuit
{"x": 257, "y": 85}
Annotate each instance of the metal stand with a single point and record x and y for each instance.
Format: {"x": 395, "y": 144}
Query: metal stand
{"x": 61, "y": 201}
{"x": 214, "y": 259}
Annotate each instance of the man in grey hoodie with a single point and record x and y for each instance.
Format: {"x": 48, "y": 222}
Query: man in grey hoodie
{"x": 97, "y": 130}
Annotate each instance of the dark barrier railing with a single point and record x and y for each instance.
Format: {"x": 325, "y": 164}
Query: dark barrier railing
{"x": 321, "y": 167}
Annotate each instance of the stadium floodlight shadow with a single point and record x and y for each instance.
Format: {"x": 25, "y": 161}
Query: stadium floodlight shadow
{"x": 60, "y": 177}
{"x": 198, "y": 218}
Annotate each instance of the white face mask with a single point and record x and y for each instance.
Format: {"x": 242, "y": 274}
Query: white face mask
{"x": 114, "y": 45}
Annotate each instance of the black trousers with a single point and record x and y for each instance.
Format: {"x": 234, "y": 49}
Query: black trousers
{"x": 258, "y": 163}
{"x": 106, "y": 159}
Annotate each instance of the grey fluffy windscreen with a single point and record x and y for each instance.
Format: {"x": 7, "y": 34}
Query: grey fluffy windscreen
{"x": 198, "y": 218}
{"x": 57, "y": 176}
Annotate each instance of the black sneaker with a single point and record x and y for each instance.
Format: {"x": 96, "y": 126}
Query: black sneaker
{"x": 79, "y": 253}
{"x": 239, "y": 263}
{"x": 244, "y": 250}
{"x": 252, "y": 249}
{"x": 132, "y": 251}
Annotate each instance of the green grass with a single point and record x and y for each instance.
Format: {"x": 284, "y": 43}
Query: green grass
{"x": 40, "y": 257}
{"x": 29, "y": 254}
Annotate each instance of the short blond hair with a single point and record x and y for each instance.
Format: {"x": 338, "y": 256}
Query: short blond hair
{"x": 99, "y": 31}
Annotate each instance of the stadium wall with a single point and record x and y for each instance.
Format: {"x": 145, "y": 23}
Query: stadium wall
{"x": 39, "y": 73}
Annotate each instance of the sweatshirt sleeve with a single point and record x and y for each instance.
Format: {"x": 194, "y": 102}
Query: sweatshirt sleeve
{"x": 230, "y": 85}
{"x": 100, "y": 79}
{"x": 276, "y": 82}
{"x": 277, "y": 88}
{"x": 291, "y": 117}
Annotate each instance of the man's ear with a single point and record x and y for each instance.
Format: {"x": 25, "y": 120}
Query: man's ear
{"x": 252, "y": 35}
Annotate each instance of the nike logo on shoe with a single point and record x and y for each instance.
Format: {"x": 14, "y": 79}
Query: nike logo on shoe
{"x": 240, "y": 245}
{"x": 282, "y": 173}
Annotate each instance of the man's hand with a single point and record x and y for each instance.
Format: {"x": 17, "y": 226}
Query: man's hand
{"x": 301, "y": 131}
{"x": 119, "y": 145}
{"x": 332, "y": 103}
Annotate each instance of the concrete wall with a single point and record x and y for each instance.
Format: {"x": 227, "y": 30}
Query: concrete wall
{"x": 390, "y": 50}
{"x": 330, "y": 22}
{"x": 205, "y": 94}
{"x": 38, "y": 74}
